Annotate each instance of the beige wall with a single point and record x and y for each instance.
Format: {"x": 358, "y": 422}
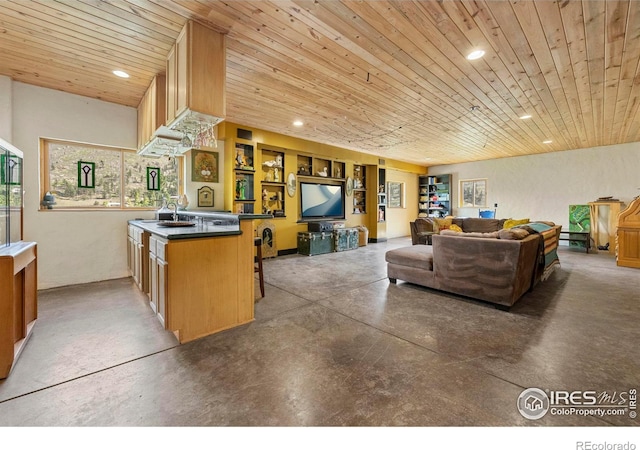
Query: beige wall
{"x": 398, "y": 218}
{"x": 6, "y": 100}
{"x": 543, "y": 186}
{"x": 73, "y": 247}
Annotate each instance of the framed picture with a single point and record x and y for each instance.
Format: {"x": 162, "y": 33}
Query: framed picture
{"x": 86, "y": 174}
{"x": 10, "y": 169}
{"x": 267, "y": 231}
{"x": 473, "y": 193}
{"x": 395, "y": 194}
{"x": 204, "y": 166}
{"x": 205, "y": 197}
{"x": 153, "y": 178}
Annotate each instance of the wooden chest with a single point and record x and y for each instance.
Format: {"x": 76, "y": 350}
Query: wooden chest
{"x": 315, "y": 243}
{"x": 346, "y": 239}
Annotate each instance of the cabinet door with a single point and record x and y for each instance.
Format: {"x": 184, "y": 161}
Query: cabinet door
{"x": 162, "y": 269}
{"x": 138, "y": 275}
{"x": 171, "y": 85}
{"x": 182, "y": 71}
{"x": 153, "y": 282}
{"x": 130, "y": 253}
{"x": 142, "y": 125}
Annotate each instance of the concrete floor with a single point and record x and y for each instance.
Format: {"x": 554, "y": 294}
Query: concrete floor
{"x": 333, "y": 344}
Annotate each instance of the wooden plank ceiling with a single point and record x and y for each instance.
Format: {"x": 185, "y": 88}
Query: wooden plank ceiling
{"x": 382, "y": 77}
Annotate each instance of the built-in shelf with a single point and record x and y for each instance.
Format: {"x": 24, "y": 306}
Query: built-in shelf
{"x": 273, "y": 183}
{"x": 244, "y": 173}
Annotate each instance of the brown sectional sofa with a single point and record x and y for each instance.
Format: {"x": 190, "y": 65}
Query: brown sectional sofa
{"x": 495, "y": 266}
{"x": 423, "y": 228}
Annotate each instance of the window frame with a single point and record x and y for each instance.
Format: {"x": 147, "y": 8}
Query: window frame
{"x": 45, "y": 180}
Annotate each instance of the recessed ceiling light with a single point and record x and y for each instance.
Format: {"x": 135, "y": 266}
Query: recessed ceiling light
{"x": 476, "y": 54}
{"x": 526, "y": 116}
{"x": 548, "y": 141}
{"x": 298, "y": 123}
{"x": 121, "y": 74}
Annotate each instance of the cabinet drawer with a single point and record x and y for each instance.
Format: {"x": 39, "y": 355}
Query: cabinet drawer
{"x": 152, "y": 245}
{"x": 161, "y": 247}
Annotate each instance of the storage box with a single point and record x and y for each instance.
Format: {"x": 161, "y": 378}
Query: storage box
{"x": 363, "y": 235}
{"x": 346, "y": 239}
{"x": 315, "y": 243}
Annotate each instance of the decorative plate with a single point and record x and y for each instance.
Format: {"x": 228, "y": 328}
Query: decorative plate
{"x": 349, "y": 186}
{"x": 291, "y": 184}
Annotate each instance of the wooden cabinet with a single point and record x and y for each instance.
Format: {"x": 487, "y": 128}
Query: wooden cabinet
{"x": 604, "y": 220}
{"x": 18, "y": 300}
{"x": 201, "y": 286}
{"x": 158, "y": 269}
{"x": 628, "y": 236}
{"x": 196, "y": 71}
{"x": 152, "y": 110}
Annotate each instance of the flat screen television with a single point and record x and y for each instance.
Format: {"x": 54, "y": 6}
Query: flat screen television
{"x": 321, "y": 201}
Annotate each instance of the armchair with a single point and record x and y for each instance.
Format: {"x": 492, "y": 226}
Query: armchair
{"x": 421, "y": 231}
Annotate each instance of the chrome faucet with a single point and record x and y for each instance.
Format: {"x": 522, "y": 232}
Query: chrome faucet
{"x": 175, "y": 210}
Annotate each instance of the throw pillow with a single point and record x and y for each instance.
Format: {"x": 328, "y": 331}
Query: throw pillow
{"x": 510, "y": 223}
{"x": 443, "y": 224}
{"x": 455, "y": 227}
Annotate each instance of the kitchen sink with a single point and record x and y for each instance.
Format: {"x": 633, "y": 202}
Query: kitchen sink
{"x": 171, "y": 223}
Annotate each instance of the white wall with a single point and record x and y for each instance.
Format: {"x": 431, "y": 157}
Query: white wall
{"x": 6, "y": 101}
{"x": 73, "y": 247}
{"x": 541, "y": 187}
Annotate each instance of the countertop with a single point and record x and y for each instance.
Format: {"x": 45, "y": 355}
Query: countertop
{"x": 198, "y": 231}
{"x": 218, "y": 214}
{"x": 213, "y": 224}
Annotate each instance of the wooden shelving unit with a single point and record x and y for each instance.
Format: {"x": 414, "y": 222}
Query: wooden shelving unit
{"x": 434, "y": 196}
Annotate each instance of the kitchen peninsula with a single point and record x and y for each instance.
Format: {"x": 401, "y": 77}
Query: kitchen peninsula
{"x": 199, "y": 276}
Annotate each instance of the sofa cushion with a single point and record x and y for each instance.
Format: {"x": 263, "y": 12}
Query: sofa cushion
{"x": 491, "y": 235}
{"x": 455, "y": 228}
{"x": 479, "y": 225}
{"x": 515, "y": 234}
{"x": 418, "y": 256}
{"x": 510, "y": 223}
